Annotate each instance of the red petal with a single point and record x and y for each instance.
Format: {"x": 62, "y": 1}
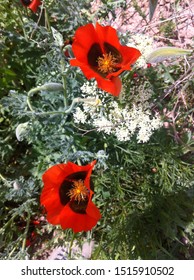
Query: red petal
{"x": 86, "y": 69}
{"x": 88, "y": 35}
{"x": 89, "y": 171}
{"x": 130, "y": 55}
{"x": 93, "y": 211}
{"x": 28, "y": 242}
{"x": 53, "y": 216}
{"x": 77, "y": 222}
{"x": 34, "y": 5}
{"x": 107, "y": 34}
{"x": 112, "y": 85}
{"x": 51, "y": 202}
{"x": 85, "y": 37}
{"x": 56, "y": 174}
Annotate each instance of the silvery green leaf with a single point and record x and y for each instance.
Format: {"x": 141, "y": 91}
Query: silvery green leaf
{"x": 163, "y": 53}
{"x": 57, "y": 37}
{"x": 21, "y": 131}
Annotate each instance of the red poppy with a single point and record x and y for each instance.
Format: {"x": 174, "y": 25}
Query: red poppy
{"x": 67, "y": 196}
{"x": 31, "y": 4}
{"x": 100, "y": 55}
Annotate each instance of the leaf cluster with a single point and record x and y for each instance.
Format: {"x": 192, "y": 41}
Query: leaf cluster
{"x": 145, "y": 192}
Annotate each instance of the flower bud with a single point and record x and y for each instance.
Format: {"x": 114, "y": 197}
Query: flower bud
{"x": 53, "y": 86}
{"x": 16, "y": 185}
{"x": 21, "y": 131}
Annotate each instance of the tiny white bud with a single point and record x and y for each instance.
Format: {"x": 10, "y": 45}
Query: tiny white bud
{"x": 16, "y": 185}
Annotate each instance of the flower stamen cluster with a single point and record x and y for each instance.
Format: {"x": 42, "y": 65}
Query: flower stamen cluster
{"x": 79, "y": 192}
{"x": 107, "y": 63}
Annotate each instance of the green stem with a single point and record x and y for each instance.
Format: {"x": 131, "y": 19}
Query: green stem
{"x": 4, "y": 180}
{"x": 30, "y": 93}
{"x": 47, "y": 21}
{"x": 71, "y": 244}
{"x": 25, "y": 233}
{"x": 63, "y": 77}
{"x": 51, "y": 86}
{"x": 8, "y": 223}
{"x": 12, "y": 251}
{"x": 76, "y": 100}
{"x": 21, "y": 23}
{"x": 38, "y": 21}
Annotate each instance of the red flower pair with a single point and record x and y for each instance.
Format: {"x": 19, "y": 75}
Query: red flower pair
{"x": 31, "y": 4}
{"x": 100, "y": 55}
{"x": 67, "y": 197}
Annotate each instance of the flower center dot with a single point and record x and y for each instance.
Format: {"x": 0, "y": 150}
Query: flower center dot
{"x": 27, "y": 2}
{"x": 107, "y": 63}
{"x": 79, "y": 192}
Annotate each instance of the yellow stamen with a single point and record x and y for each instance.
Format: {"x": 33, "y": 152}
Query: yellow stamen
{"x": 79, "y": 192}
{"x": 107, "y": 63}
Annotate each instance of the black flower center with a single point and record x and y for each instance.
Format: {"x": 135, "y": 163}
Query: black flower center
{"x": 74, "y": 192}
{"x": 104, "y": 63}
{"x": 26, "y": 2}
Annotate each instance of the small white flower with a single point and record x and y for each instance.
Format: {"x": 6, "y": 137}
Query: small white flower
{"x": 143, "y": 135}
{"x": 142, "y": 43}
{"x": 103, "y": 124}
{"x": 79, "y": 116}
{"x": 122, "y": 134}
{"x": 106, "y": 114}
{"x": 89, "y": 88}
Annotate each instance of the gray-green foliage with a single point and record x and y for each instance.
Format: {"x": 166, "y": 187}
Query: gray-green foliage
{"x": 145, "y": 192}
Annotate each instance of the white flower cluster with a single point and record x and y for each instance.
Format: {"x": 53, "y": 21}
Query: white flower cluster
{"x": 105, "y": 114}
{"x": 144, "y": 44}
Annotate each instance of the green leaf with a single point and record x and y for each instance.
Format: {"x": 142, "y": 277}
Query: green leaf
{"x": 152, "y": 7}
{"x": 57, "y": 37}
{"x": 9, "y": 73}
{"x": 163, "y": 53}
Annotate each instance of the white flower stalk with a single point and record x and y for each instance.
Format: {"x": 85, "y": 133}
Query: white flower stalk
{"x": 106, "y": 115}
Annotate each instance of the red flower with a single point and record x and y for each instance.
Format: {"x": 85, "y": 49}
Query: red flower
{"x": 100, "y": 55}
{"x": 31, "y": 4}
{"x": 67, "y": 197}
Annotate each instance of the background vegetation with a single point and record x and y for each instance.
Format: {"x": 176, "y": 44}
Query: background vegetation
{"x": 145, "y": 192}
